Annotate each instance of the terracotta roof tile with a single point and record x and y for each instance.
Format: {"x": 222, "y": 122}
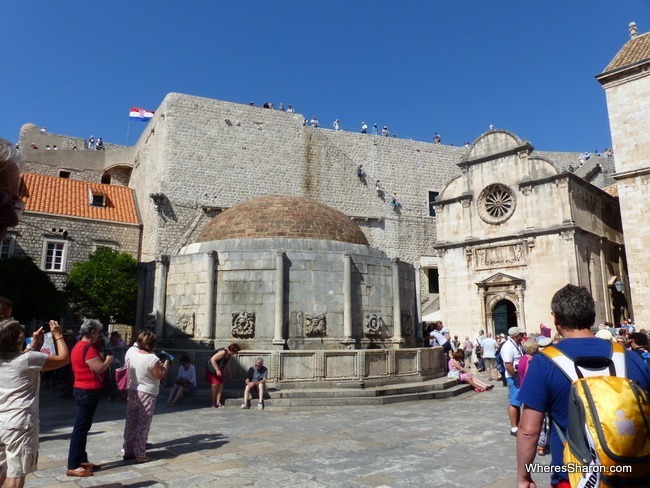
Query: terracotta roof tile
{"x": 634, "y": 50}
{"x": 612, "y": 190}
{"x": 62, "y": 196}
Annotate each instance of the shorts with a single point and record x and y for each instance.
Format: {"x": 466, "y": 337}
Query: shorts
{"x": 463, "y": 376}
{"x": 212, "y": 378}
{"x": 513, "y": 393}
{"x": 19, "y": 451}
{"x": 490, "y": 363}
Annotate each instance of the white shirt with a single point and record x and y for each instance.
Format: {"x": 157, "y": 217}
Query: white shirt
{"x": 140, "y": 371}
{"x": 189, "y": 374}
{"x": 510, "y": 353}
{"x": 20, "y": 380}
{"x": 439, "y": 337}
{"x": 489, "y": 348}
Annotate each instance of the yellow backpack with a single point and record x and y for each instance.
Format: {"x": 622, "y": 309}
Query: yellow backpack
{"x": 607, "y": 440}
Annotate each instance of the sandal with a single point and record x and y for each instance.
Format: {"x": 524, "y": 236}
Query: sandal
{"x": 542, "y": 451}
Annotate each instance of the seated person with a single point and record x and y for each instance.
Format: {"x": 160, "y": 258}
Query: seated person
{"x": 185, "y": 382}
{"x": 255, "y": 378}
{"x": 458, "y": 370}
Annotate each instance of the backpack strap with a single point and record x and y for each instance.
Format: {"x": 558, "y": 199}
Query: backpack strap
{"x": 585, "y": 367}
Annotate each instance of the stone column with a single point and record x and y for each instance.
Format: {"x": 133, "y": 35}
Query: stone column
{"x": 520, "y": 303}
{"x": 481, "y": 295}
{"x": 209, "y": 327}
{"x": 278, "y": 336}
{"x": 417, "y": 318}
{"x": 347, "y": 299}
{"x": 397, "y": 306}
{"x": 606, "y": 298}
{"x": 142, "y": 280}
{"x": 160, "y": 293}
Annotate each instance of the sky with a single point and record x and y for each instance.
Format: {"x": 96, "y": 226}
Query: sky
{"x": 419, "y": 67}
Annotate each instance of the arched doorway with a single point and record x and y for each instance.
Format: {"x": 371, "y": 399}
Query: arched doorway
{"x": 504, "y": 316}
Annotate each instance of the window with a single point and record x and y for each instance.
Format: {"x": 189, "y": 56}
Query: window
{"x": 97, "y": 200}
{"x": 54, "y": 254}
{"x": 109, "y": 244}
{"x": 434, "y": 285}
{"x": 496, "y": 204}
{"x": 7, "y": 247}
{"x": 64, "y": 174}
{"x": 106, "y": 179}
{"x": 433, "y": 196}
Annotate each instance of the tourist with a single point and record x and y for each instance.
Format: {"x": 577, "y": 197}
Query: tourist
{"x": 364, "y": 128}
{"x": 145, "y": 371}
{"x": 281, "y": 107}
{"x": 116, "y": 339}
{"x": 185, "y": 381}
{"x": 361, "y": 174}
{"x": 290, "y": 109}
{"x": 91, "y": 142}
{"x": 468, "y": 348}
{"x": 375, "y": 130}
{"x": 530, "y": 347}
{"x": 489, "y": 357}
{"x": 336, "y": 125}
{"x": 214, "y": 372}
{"x": 478, "y": 350}
{"x": 458, "y": 370}
{"x": 100, "y": 144}
{"x": 255, "y": 379}
{"x": 436, "y": 138}
{"x": 314, "y": 122}
{"x": 88, "y": 370}
{"x": 511, "y": 354}
{"x": 378, "y": 189}
{"x": 20, "y": 374}
{"x": 547, "y": 388}
{"x": 384, "y": 131}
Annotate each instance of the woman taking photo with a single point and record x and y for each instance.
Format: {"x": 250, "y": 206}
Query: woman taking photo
{"x": 145, "y": 371}
{"x": 88, "y": 369}
{"x": 20, "y": 380}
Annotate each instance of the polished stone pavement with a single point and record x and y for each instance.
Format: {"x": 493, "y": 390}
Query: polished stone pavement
{"x": 457, "y": 442}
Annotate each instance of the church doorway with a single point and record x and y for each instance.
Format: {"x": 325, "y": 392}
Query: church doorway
{"x": 504, "y": 316}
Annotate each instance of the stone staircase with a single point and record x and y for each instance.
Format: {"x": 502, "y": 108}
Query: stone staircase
{"x": 377, "y": 395}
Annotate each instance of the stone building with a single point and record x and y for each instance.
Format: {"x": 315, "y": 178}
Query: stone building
{"x": 626, "y": 81}
{"x": 512, "y": 230}
{"x": 66, "y": 220}
{"x": 198, "y": 157}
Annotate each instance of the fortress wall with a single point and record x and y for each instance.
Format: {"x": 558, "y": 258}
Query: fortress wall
{"x": 197, "y": 159}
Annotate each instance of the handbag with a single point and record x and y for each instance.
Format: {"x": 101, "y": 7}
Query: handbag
{"x": 453, "y": 374}
{"x": 122, "y": 377}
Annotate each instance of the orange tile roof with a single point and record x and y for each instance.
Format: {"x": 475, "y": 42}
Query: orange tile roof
{"x": 634, "y": 51}
{"x": 612, "y": 190}
{"x": 63, "y": 196}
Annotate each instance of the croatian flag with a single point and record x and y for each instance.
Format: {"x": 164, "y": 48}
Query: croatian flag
{"x": 140, "y": 114}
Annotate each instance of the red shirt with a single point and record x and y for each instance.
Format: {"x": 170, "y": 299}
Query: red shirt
{"x": 84, "y": 377}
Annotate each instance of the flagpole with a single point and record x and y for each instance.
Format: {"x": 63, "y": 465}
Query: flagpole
{"x": 128, "y": 129}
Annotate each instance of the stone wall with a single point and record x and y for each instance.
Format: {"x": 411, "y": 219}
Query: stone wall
{"x": 628, "y": 102}
{"x": 82, "y": 238}
{"x": 235, "y": 152}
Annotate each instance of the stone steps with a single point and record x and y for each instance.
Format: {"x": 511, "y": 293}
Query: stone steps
{"x": 378, "y": 395}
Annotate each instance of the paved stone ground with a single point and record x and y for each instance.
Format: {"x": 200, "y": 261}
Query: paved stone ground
{"x": 458, "y": 442}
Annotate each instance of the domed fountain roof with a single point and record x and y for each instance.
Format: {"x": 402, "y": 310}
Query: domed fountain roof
{"x": 282, "y": 216}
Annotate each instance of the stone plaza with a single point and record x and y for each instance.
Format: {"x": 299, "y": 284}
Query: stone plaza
{"x": 462, "y": 441}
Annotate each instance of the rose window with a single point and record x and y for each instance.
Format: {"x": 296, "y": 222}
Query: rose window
{"x": 496, "y": 203}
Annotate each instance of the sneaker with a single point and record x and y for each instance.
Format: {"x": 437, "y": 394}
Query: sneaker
{"x": 220, "y": 405}
{"x": 245, "y": 406}
{"x": 260, "y": 406}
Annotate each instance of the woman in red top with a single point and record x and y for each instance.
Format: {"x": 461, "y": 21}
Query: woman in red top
{"x": 88, "y": 368}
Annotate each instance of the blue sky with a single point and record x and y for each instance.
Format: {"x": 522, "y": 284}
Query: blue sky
{"x": 453, "y": 66}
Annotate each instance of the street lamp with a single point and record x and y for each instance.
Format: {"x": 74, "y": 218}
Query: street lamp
{"x": 618, "y": 284}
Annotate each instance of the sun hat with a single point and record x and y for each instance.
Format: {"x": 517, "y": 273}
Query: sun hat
{"x": 514, "y": 331}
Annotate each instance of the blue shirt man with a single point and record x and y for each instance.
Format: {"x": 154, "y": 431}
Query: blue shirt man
{"x": 255, "y": 379}
{"x": 546, "y": 388}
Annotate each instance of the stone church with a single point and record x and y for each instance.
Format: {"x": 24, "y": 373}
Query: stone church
{"x": 489, "y": 230}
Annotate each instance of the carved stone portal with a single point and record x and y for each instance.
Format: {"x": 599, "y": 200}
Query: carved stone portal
{"x": 315, "y": 325}
{"x": 185, "y": 322}
{"x": 499, "y": 256}
{"x": 373, "y": 325}
{"x": 243, "y": 324}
